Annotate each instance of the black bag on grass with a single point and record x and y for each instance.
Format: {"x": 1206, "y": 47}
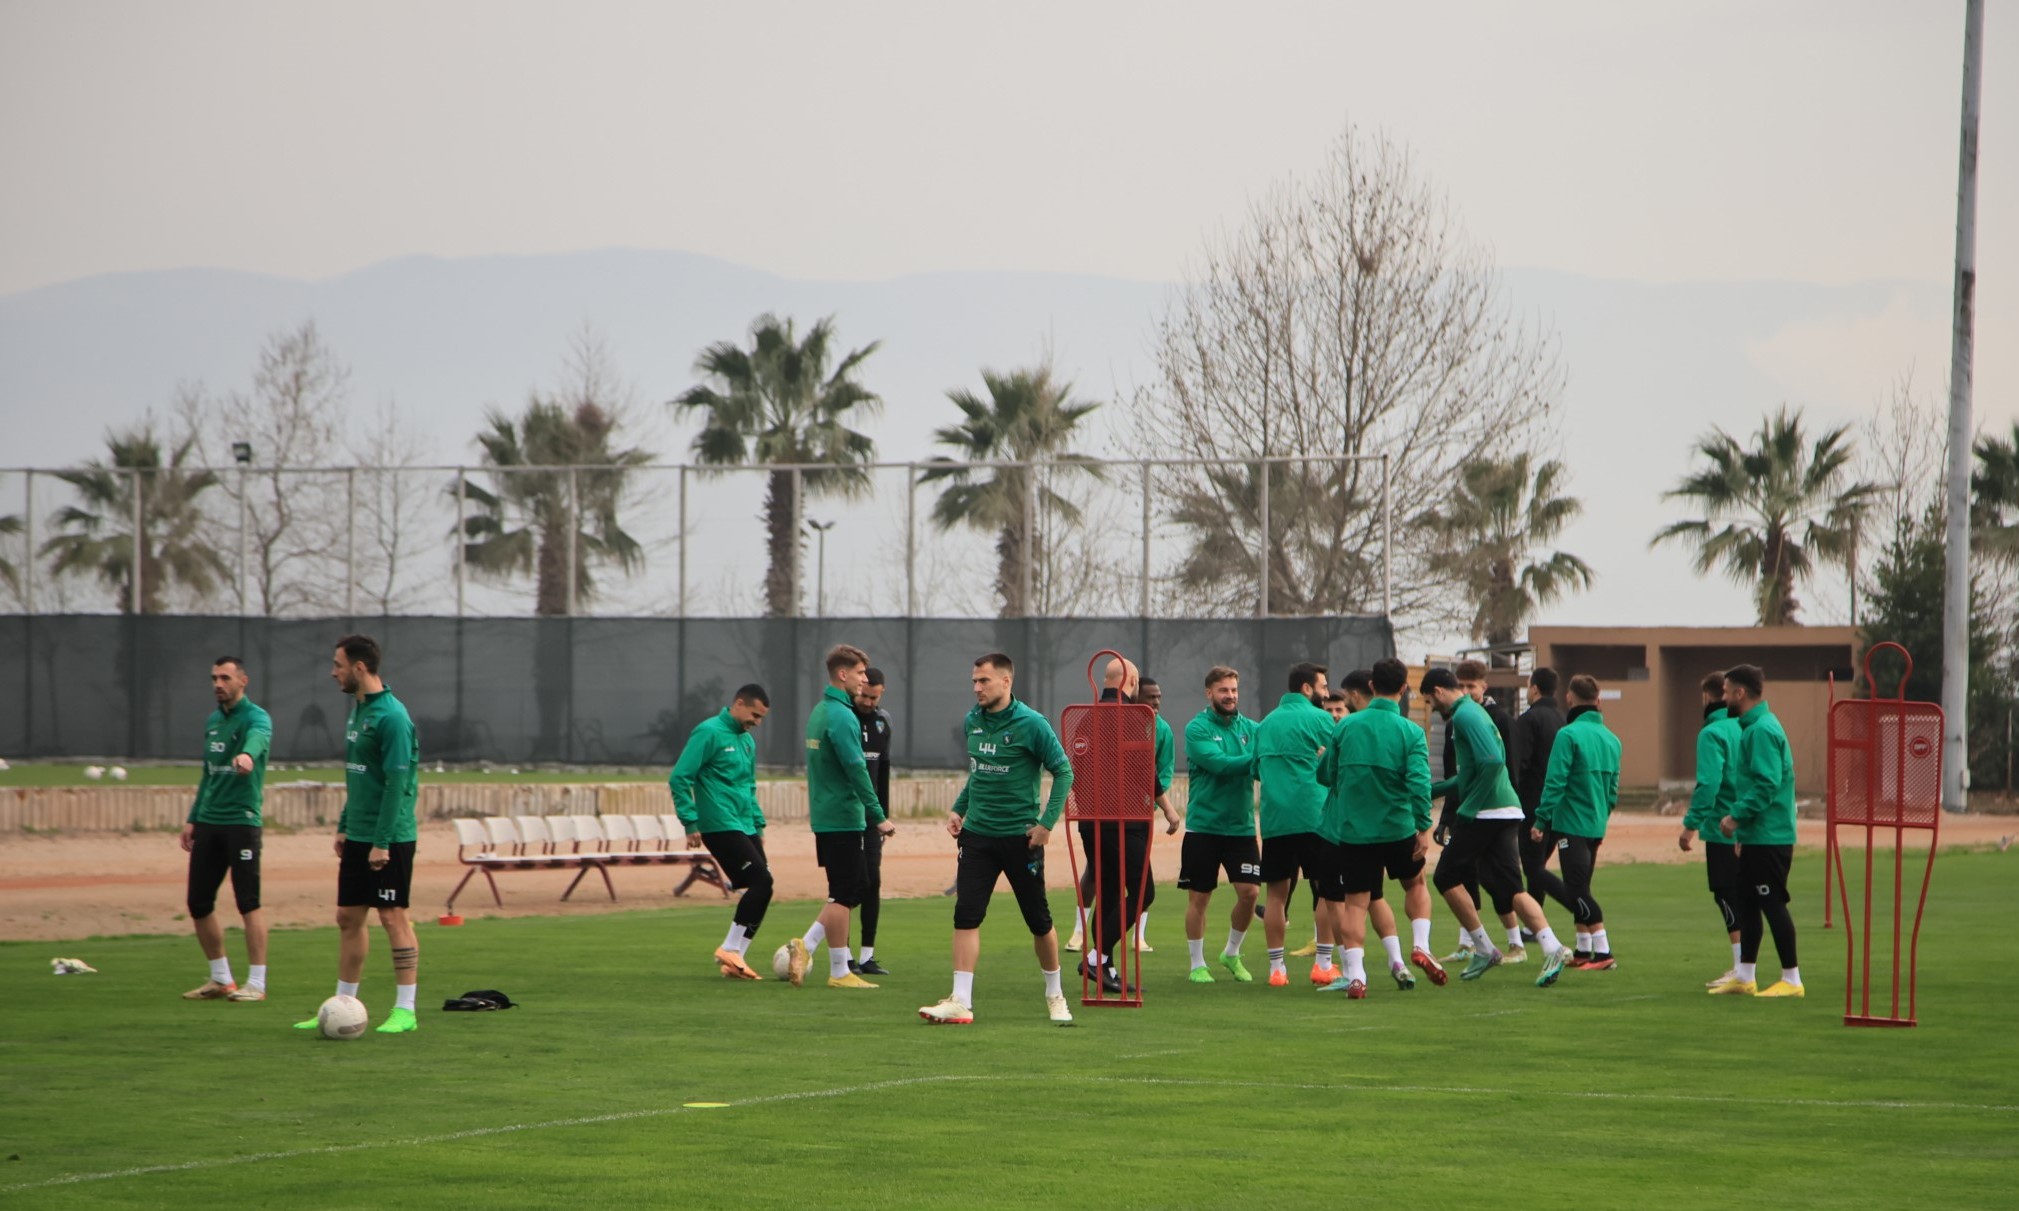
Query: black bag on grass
{"x": 481, "y": 1001}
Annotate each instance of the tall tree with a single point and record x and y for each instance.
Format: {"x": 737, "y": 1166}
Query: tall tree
{"x": 778, "y": 402}
{"x": 1028, "y": 417}
{"x": 1491, "y": 525}
{"x": 1773, "y": 510}
{"x": 1349, "y": 315}
{"x": 534, "y": 512}
{"x": 10, "y": 526}
{"x": 97, "y": 536}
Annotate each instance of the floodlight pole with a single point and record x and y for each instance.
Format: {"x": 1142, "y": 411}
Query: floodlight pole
{"x": 139, "y": 541}
{"x": 1956, "y": 581}
{"x": 28, "y": 553}
{"x": 462, "y": 537}
{"x": 820, "y": 567}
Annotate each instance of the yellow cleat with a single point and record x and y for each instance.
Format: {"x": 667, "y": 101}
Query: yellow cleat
{"x": 1781, "y": 988}
{"x": 210, "y": 991}
{"x": 797, "y": 959}
{"x": 851, "y": 980}
{"x": 1734, "y": 987}
{"x": 1305, "y": 951}
{"x": 733, "y": 965}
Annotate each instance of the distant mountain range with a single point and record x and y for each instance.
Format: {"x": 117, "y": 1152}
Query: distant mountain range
{"x": 1650, "y": 366}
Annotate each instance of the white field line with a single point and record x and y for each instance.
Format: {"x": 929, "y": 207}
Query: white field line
{"x": 878, "y": 1086}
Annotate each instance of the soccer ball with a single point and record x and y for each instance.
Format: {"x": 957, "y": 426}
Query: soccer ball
{"x": 118, "y": 773}
{"x": 94, "y": 772}
{"x": 341, "y": 1018}
{"x": 781, "y": 963}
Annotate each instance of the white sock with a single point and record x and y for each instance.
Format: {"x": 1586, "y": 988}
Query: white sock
{"x": 837, "y": 962}
{"x": 1547, "y": 937}
{"x": 1745, "y": 972}
{"x": 1483, "y": 943}
{"x": 1599, "y": 944}
{"x": 735, "y": 939}
{"x": 963, "y": 986}
{"x": 1464, "y": 939}
{"x": 1393, "y": 945}
{"x": 1735, "y": 956}
{"x": 346, "y": 989}
{"x": 1791, "y": 975}
{"x": 255, "y": 977}
{"x": 1142, "y": 927}
{"x": 220, "y": 971}
{"x": 1052, "y": 987}
{"x": 1234, "y": 939}
{"x": 1324, "y": 954}
{"x": 1419, "y": 933}
{"x": 1276, "y": 959}
{"x": 403, "y": 996}
{"x": 866, "y": 954}
{"x": 815, "y": 936}
{"x": 1198, "y": 948}
{"x": 743, "y": 936}
{"x": 1584, "y": 941}
{"x": 1356, "y": 963}
{"x": 1513, "y": 936}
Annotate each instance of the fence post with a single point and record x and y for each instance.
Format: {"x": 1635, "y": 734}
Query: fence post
{"x": 1145, "y": 610}
{"x": 796, "y": 582}
{"x": 28, "y": 554}
{"x": 683, "y": 542}
{"x": 574, "y": 531}
{"x": 910, "y": 539}
{"x": 1387, "y": 539}
{"x": 350, "y": 542}
{"x": 139, "y": 587}
{"x": 1024, "y": 578}
{"x": 244, "y": 556}
{"x": 462, "y": 554}
{"x": 1262, "y": 598}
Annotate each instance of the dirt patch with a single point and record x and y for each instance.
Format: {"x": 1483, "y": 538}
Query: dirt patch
{"x": 86, "y": 884}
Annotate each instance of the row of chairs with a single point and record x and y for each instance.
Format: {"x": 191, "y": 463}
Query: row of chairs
{"x": 581, "y": 843}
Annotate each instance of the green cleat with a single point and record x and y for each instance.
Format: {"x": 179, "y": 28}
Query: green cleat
{"x": 401, "y": 1021}
{"x": 1200, "y": 975}
{"x": 1238, "y": 969}
{"x": 1462, "y": 955}
{"x": 1553, "y": 964}
{"x": 311, "y": 1024}
{"x": 1342, "y": 984}
{"x": 1482, "y": 961}
{"x": 1404, "y": 979}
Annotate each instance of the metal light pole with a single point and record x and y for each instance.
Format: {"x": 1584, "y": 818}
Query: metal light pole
{"x": 1956, "y": 586}
{"x": 820, "y": 566}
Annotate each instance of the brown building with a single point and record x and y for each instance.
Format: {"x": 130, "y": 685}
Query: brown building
{"x": 1654, "y": 672}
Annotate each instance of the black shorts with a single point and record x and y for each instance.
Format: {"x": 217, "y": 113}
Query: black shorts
{"x": 1721, "y": 868}
{"x": 981, "y": 861}
{"x": 739, "y": 856}
{"x": 358, "y": 884}
{"x": 1284, "y": 856}
{"x": 1202, "y": 856}
{"x": 841, "y": 856}
{"x": 1362, "y": 867}
{"x": 215, "y": 849}
{"x": 1487, "y": 850}
{"x": 1763, "y": 872}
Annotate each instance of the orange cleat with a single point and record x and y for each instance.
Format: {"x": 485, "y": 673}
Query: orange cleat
{"x": 1430, "y": 967}
{"x": 1279, "y": 978}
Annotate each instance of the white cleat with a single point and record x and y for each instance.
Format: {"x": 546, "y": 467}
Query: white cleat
{"x": 1060, "y": 1013}
{"x": 951, "y": 1012}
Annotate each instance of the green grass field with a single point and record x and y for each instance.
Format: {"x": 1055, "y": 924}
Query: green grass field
{"x": 1628, "y": 1088}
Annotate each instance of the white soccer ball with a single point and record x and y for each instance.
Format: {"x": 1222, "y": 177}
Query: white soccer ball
{"x": 94, "y": 772}
{"x": 781, "y": 963}
{"x": 341, "y": 1018}
{"x": 4, "y": 765}
{"x": 118, "y": 773}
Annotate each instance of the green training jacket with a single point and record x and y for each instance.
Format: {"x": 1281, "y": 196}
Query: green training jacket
{"x": 1220, "y": 753}
{"x": 840, "y": 798}
{"x": 1377, "y": 771}
{"x": 714, "y": 783}
{"x": 1717, "y": 775}
{"x": 1481, "y": 779}
{"x": 225, "y": 796}
{"x": 1287, "y": 745}
{"x": 382, "y": 773}
{"x": 1764, "y": 800}
{"x": 1006, "y": 751}
{"x": 1581, "y": 786}
{"x": 1167, "y": 755}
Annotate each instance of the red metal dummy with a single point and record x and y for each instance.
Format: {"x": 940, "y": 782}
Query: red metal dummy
{"x": 1112, "y": 747}
{"x": 1885, "y": 772}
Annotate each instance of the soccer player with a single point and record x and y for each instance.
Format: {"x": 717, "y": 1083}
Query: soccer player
{"x": 1377, "y": 819}
{"x": 1711, "y": 801}
{"x": 1355, "y": 692}
{"x": 1001, "y": 830}
{"x": 841, "y": 807}
{"x": 1578, "y": 795}
{"x": 714, "y": 785}
{"x": 1337, "y": 705}
{"x": 1483, "y": 845}
{"x": 876, "y": 750}
{"x": 1472, "y": 679}
{"x": 1220, "y": 822}
{"x": 376, "y": 831}
{"x": 1287, "y": 746}
{"x": 1534, "y": 739}
{"x": 223, "y": 832}
{"x": 1762, "y": 823}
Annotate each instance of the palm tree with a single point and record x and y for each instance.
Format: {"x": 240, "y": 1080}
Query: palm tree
{"x": 528, "y": 520}
{"x": 1489, "y": 529}
{"x": 97, "y": 536}
{"x": 10, "y": 525}
{"x": 1772, "y": 511}
{"x": 778, "y": 403}
{"x": 1027, "y": 418}
{"x": 1994, "y": 490}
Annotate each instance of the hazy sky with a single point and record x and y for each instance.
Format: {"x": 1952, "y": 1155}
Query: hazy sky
{"x": 1686, "y": 140}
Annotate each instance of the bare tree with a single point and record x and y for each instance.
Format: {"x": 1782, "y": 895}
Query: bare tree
{"x": 1350, "y": 315}
{"x": 292, "y": 420}
{"x": 1904, "y": 452}
{"x": 393, "y": 517}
